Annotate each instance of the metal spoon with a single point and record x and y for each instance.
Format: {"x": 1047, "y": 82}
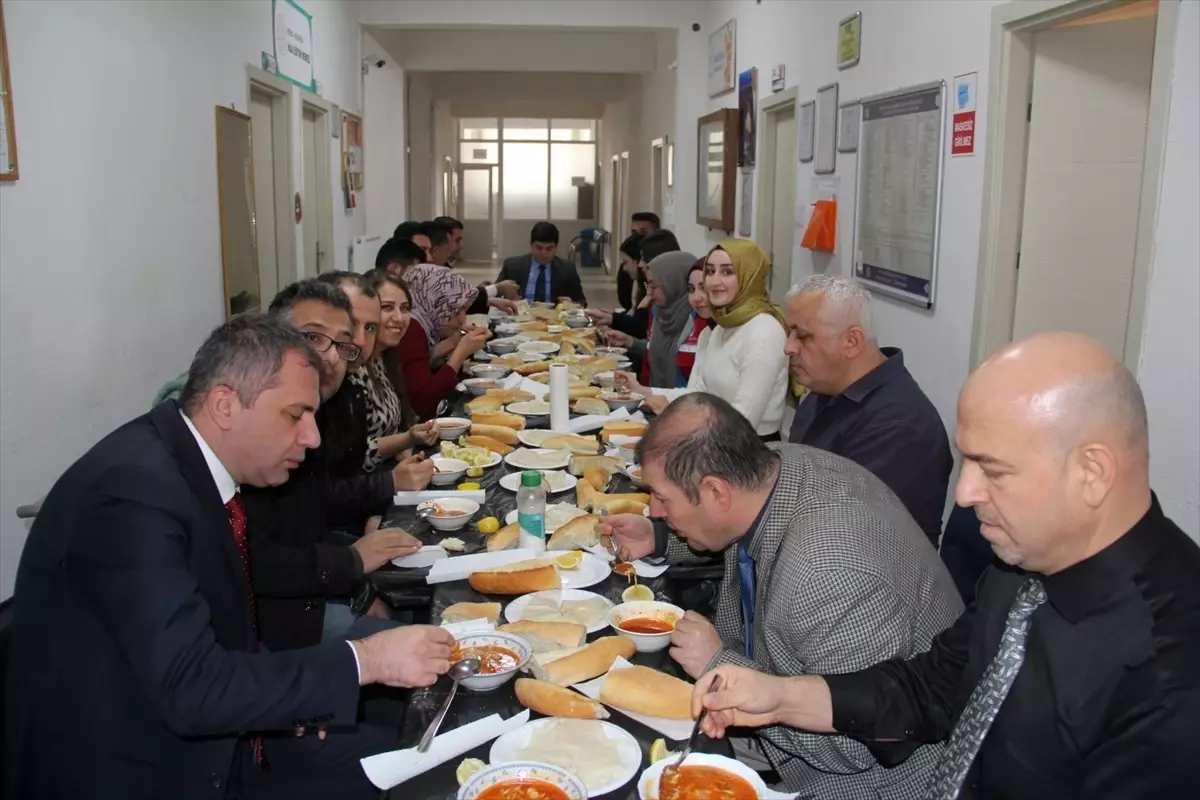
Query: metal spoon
{"x": 687, "y": 751}
{"x": 462, "y": 669}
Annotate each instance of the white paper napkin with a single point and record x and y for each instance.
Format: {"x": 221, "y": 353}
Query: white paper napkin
{"x": 390, "y": 769}
{"x": 538, "y": 390}
{"x": 513, "y": 380}
{"x": 676, "y": 729}
{"x": 459, "y": 567}
{"x": 461, "y": 629}
{"x": 642, "y": 569}
{"x": 617, "y": 441}
{"x": 594, "y": 422}
{"x": 416, "y": 498}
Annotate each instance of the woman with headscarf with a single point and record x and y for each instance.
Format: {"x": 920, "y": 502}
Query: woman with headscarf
{"x": 742, "y": 359}
{"x": 440, "y": 298}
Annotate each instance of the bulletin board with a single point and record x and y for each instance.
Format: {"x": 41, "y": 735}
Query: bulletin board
{"x": 352, "y": 159}
{"x": 8, "y": 130}
{"x": 897, "y": 221}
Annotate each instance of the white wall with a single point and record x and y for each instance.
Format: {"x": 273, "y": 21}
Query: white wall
{"x": 110, "y": 261}
{"x": 458, "y": 50}
{"x": 606, "y": 14}
{"x": 385, "y": 169}
{"x": 1170, "y": 366}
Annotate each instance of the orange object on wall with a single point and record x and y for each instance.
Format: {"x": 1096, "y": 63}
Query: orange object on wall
{"x": 821, "y": 233}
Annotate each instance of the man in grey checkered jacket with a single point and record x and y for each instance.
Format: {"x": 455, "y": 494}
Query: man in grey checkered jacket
{"x": 835, "y": 574}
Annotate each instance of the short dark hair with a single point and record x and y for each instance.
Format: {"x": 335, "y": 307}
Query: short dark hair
{"x": 700, "y": 435}
{"x": 647, "y": 216}
{"x": 404, "y": 252}
{"x": 438, "y": 233}
{"x": 309, "y": 289}
{"x": 544, "y": 233}
{"x": 632, "y": 246}
{"x": 405, "y": 230}
{"x": 341, "y": 278}
{"x": 657, "y": 243}
{"x": 378, "y": 277}
{"x": 451, "y": 223}
{"x": 245, "y": 354}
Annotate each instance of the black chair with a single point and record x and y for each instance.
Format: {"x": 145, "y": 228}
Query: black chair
{"x": 6, "y": 616}
{"x": 965, "y": 552}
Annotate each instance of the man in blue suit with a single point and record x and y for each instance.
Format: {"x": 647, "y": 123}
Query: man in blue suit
{"x": 135, "y": 666}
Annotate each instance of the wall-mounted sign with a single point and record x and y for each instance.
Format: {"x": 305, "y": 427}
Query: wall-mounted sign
{"x": 963, "y": 143}
{"x": 722, "y": 59}
{"x": 777, "y": 78}
{"x": 849, "y": 40}
{"x": 269, "y": 64}
{"x": 293, "y": 43}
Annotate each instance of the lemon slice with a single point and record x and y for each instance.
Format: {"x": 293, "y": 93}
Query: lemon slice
{"x": 489, "y": 525}
{"x": 467, "y": 768}
{"x": 637, "y": 592}
{"x": 480, "y": 461}
{"x": 468, "y": 487}
{"x": 570, "y": 560}
{"x": 659, "y": 751}
{"x": 446, "y": 447}
{"x": 475, "y": 472}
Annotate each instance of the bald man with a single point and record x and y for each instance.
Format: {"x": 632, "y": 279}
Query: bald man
{"x": 1076, "y": 673}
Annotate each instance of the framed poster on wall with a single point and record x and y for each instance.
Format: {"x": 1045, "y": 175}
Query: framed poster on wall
{"x": 747, "y": 103}
{"x": 293, "y": 43}
{"x": 826, "y": 128}
{"x": 8, "y": 130}
{"x": 722, "y": 61}
{"x": 716, "y": 169}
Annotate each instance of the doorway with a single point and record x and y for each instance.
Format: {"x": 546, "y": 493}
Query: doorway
{"x": 614, "y": 214}
{"x": 317, "y": 200}
{"x": 477, "y": 210}
{"x": 658, "y": 160}
{"x": 1077, "y": 118}
{"x": 774, "y": 221}
{"x": 269, "y": 103}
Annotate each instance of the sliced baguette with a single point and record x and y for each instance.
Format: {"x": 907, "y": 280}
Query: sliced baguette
{"x": 498, "y": 432}
{"x": 590, "y": 405}
{"x": 585, "y": 495}
{"x": 622, "y": 429}
{"x": 461, "y": 612}
{"x": 546, "y": 637}
{"x": 597, "y": 477}
{"x": 583, "y": 445}
{"x": 595, "y": 659}
{"x": 510, "y": 395}
{"x": 580, "y": 463}
{"x": 531, "y": 575}
{"x": 502, "y": 419}
{"x": 504, "y": 539}
{"x": 555, "y": 701}
{"x": 533, "y": 368}
{"x": 485, "y": 404}
{"x": 614, "y": 507}
{"x": 586, "y": 392}
{"x": 647, "y": 691}
{"x": 576, "y": 534}
{"x": 495, "y": 445}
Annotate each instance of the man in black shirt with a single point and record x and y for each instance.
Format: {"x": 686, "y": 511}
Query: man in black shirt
{"x": 862, "y": 403}
{"x": 1076, "y": 673}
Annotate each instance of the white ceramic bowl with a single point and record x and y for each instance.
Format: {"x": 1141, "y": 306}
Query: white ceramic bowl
{"x": 506, "y": 345}
{"x": 493, "y": 371}
{"x": 612, "y": 352}
{"x": 648, "y": 780}
{"x": 577, "y": 321}
{"x": 626, "y": 401}
{"x": 645, "y": 642}
{"x": 470, "y": 507}
{"x": 452, "y": 427}
{"x": 522, "y": 770}
{"x": 604, "y": 380}
{"x": 555, "y": 328}
{"x": 628, "y": 452}
{"x": 448, "y": 471}
{"x": 484, "y": 683}
{"x": 478, "y": 386}
{"x": 538, "y": 347}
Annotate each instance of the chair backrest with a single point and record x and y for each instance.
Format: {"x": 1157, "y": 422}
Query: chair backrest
{"x": 6, "y": 616}
{"x": 964, "y": 550}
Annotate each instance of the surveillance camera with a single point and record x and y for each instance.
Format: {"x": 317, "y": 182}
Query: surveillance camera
{"x": 696, "y": 26}
{"x": 372, "y": 59}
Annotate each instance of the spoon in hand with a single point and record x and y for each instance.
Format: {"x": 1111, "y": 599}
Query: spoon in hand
{"x": 462, "y": 669}
{"x": 670, "y": 773}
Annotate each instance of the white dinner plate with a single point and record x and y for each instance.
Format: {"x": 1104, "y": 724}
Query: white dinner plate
{"x": 591, "y": 570}
{"x": 520, "y": 459}
{"x": 557, "y": 515}
{"x": 504, "y": 750}
{"x": 512, "y": 481}
{"x": 544, "y": 348}
{"x": 422, "y": 558}
{"x": 514, "y": 610}
{"x": 534, "y": 438}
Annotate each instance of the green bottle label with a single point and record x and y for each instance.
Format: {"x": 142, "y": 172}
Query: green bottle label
{"x": 532, "y": 524}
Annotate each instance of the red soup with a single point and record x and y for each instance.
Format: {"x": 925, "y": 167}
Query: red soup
{"x": 528, "y": 789}
{"x": 647, "y": 625}
{"x": 705, "y": 783}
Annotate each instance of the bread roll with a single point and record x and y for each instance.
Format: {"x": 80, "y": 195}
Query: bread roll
{"x": 576, "y": 534}
{"x": 584, "y": 391}
{"x": 532, "y": 575}
{"x": 636, "y": 497}
{"x": 580, "y": 463}
{"x": 461, "y": 612}
{"x": 494, "y": 445}
{"x": 545, "y": 637}
{"x": 597, "y": 477}
{"x": 566, "y": 349}
{"x": 501, "y": 419}
{"x": 555, "y": 701}
{"x": 533, "y": 367}
{"x": 622, "y": 429}
{"x": 510, "y": 395}
{"x": 595, "y": 659}
{"x": 584, "y": 445}
{"x": 536, "y": 325}
{"x": 505, "y": 538}
{"x": 647, "y": 691}
{"x": 590, "y": 405}
{"x": 498, "y": 432}
{"x": 585, "y": 495}
{"x": 484, "y": 404}
{"x": 614, "y": 507}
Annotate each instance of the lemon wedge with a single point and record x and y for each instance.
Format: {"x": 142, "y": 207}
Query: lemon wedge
{"x": 467, "y": 768}
{"x": 637, "y": 592}
{"x": 475, "y": 472}
{"x": 659, "y": 751}
{"x": 570, "y": 560}
{"x": 468, "y": 487}
{"x": 480, "y": 461}
{"x": 489, "y": 525}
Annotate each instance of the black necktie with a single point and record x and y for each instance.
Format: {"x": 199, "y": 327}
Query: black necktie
{"x": 539, "y": 288}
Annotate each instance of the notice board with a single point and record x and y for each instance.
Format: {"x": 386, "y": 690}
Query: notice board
{"x": 899, "y": 199}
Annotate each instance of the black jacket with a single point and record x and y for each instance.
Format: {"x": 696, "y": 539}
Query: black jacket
{"x": 564, "y": 277}
{"x": 130, "y": 670}
{"x": 354, "y": 494}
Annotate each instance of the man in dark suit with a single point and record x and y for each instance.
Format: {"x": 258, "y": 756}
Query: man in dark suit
{"x": 135, "y": 665}
{"x": 542, "y": 276}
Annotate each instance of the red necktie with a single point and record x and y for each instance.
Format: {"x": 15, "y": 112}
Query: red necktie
{"x": 237, "y": 521}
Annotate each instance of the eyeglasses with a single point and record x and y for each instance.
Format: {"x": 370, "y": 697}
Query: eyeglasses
{"x": 321, "y": 343}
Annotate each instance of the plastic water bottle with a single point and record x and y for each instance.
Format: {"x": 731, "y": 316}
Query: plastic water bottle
{"x": 531, "y": 512}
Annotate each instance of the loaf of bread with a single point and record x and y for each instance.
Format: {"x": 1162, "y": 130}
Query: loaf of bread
{"x": 580, "y": 463}
{"x": 590, "y": 405}
{"x": 495, "y": 445}
{"x": 545, "y": 637}
{"x": 595, "y": 659}
{"x": 622, "y": 429}
{"x": 584, "y": 445}
{"x": 532, "y": 575}
{"x": 498, "y": 432}
{"x": 614, "y": 507}
{"x": 505, "y": 538}
{"x": 501, "y": 419}
{"x": 585, "y": 391}
{"x": 576, "y": 534}
{"x": 647, "y": 691}
{"x": 510, "y": 395}
{"x": 585, "y": 495}
{"x": 461, "y": 612}
{"x": 485, "y": 403}
{"x": 533, "y": 367}
{"x": 597, "y": 477}
{"x": 555, "y": 701}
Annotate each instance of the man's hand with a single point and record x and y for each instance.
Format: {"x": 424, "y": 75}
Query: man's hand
{"x": 413, "y": 655}
{"x": 752, "y": 699}
{"x": 632, "y": 535}
{"x": 379, "y": 610}
{"x": 507, "y": 306}
{"x": 618, "y": 339}
{"x": 381, "y": 546}
{"x": 694, "y": 643}
{"x": 600, "y": 316}
{"x": 655, "y": 403}
{"x": 424, "y": 433}
{"x": 508, "y": 290}
{"x": 412, "y": 474}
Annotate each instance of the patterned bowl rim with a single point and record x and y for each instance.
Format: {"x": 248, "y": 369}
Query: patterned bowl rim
{"x": 560, "y": 777}
{"x": 522, "y": 647}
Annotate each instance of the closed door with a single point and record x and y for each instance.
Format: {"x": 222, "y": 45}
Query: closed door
{"x": 656, "y": 180}
{"x": 1083, "y": 178}
{"x": 264, "y": 193}
{"x": 783, "y": 196}
{"x": 315, "y": 200}
{"x": 477, "y": 211}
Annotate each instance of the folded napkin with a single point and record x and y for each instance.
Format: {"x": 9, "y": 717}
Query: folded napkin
{"x": 594, "y": 422}
{"x": 642, "y": 569}
{"x": 390, "y": 769}
{"x": 538, "y": 390}
{"x": 460, "y": 629}
{"x": 617, "y": 441}
{"x": 459, "y": 567}
{"x": 676, "y": 729}
{"x": 416, "y": 498}
{"x": 514, "y": 380}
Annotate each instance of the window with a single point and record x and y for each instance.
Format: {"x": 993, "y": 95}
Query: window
{"x": 479, "y": 129}
{"x": 572, "y": 181}
{"x": 573, "y": 130}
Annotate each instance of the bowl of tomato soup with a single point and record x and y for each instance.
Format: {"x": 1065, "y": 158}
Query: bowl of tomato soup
{"x": 703, "y": 776}
{"x": 523, "y": 780}
{"x": 646, "y": 623}
{"x": 500, "y": 656}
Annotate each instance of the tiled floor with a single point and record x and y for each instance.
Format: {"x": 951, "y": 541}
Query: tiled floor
{"x": 601, "y": 289}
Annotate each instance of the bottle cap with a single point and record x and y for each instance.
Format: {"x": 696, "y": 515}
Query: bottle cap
{"x": 531, "y": 478}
